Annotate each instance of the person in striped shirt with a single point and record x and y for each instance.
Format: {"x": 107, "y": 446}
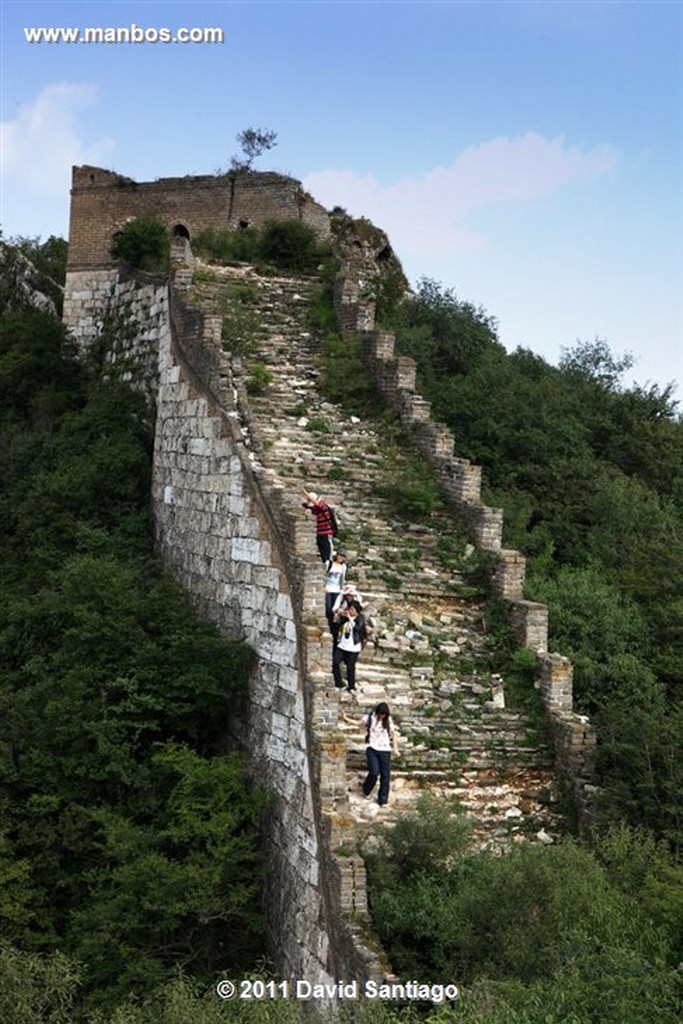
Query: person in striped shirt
{"x": 324, "y": 528}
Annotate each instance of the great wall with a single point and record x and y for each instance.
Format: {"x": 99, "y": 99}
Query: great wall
{"x": 228, "y": 465}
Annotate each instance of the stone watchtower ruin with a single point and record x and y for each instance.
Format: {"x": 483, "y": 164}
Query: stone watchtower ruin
{"x": 103, "y": 201}
{"x": 229, "y": 526}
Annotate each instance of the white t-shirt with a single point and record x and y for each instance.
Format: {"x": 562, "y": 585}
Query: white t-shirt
{"x": 334, "y": 577}
{"x": 380, "y": 738}
{"x": 345, "y": 636}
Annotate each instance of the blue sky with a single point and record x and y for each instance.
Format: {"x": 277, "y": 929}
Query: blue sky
{"x": 527, "y": 155}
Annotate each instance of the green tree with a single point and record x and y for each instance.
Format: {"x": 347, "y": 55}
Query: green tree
{"x": 540, "y": 934}
{"x": 184, "y": 894}
{"x": 450, "y": 335}
{"x": 292, "y": 245}
{"x": 114, "y": 779}
{"x": 37, "y": 989}
{"x": 599, "y": 628}
{"x": 253, "y": 143}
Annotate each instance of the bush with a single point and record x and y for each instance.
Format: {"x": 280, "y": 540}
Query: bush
{"x": 542, "y": 928}
{"x": 259, "y": 379}
{"x": 414, "y": 493}
{"x": 287, "y": 245}
{"x": 292, "y": 245}
{"x": 224, "y": 246}
{"x": 345, "y": 378}
{"x": 143, "y": 243}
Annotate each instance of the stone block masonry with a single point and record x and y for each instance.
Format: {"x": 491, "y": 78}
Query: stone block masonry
{"x": 215, "y": 528}
{"x": 225, "y": 531}
{"x": 128, "y": 315}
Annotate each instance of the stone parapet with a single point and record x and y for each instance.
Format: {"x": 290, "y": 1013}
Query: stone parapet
{"x": 530, "y": 624}
{"x": 509, "y": 574}
{"x": 575, "y": 745}
{"x": 556, "y": 683}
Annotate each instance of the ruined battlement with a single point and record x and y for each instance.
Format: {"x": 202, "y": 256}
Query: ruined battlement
{"x": 103, "y": 201}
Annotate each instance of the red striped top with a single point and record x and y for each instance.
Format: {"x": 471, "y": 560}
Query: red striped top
{"x": 323, "y": 519}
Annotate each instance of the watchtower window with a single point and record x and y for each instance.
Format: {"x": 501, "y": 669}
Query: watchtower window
{"x": 180, "y": 231}
{"x": 243, "y": 225}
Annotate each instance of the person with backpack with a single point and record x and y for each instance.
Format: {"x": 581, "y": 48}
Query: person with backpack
{"x": 325, "y": 523}
{"x": 381, "y": 740}
{"x": 335, "y": 578}
{"x": 352, "y": 637}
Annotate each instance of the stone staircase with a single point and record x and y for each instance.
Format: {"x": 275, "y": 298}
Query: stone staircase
{"x": 429, "y": 643}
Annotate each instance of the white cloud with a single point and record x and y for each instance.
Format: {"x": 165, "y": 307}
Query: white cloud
{"x": 425, "y": 215}
{"x": 39, "y": 147}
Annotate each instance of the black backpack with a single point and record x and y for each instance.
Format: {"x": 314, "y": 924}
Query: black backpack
{"x": 333, "y": 522}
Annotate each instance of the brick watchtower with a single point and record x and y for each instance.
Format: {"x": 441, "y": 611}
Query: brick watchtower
{"x": 103, "y": 201}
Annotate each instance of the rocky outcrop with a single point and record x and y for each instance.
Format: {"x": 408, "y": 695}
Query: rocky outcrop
{"x": 23, "y": 285}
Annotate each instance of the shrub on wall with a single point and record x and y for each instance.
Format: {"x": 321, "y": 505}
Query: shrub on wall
{"x": 227, "y": 246}
{"x": 143, "y": 243}
{"x": 287, "y": 245}
{"x": 291, "y": 245}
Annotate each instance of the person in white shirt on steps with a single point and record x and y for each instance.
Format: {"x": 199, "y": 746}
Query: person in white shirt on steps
{"x": 335, "y": 578}
{"x": 382, "y": 740}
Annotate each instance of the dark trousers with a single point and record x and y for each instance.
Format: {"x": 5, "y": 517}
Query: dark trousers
{"x": 329, "y": 605}
{"x": 349, "y": 658}
{"x": 379, "y": 764}
{"x": 325, "y": 547}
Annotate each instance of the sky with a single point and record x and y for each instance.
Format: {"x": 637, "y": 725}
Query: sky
{"x": 526, "y": 155}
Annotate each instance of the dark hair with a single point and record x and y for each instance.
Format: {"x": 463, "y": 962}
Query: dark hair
{"x": 383, "y": 709}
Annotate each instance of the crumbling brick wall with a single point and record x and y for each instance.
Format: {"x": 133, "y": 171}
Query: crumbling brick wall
{"x": 103, "y": 201}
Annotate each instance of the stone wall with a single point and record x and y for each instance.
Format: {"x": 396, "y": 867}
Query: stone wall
{"x": 216, "y": 528}
{"x": 127, "y": 316}
{"x": 228, "y": 535}
{"x": 102, "y": 202}
{"x": 461, "y": 481}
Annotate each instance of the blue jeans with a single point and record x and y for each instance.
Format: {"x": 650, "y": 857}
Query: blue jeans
{"x": 379, "y": 764}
